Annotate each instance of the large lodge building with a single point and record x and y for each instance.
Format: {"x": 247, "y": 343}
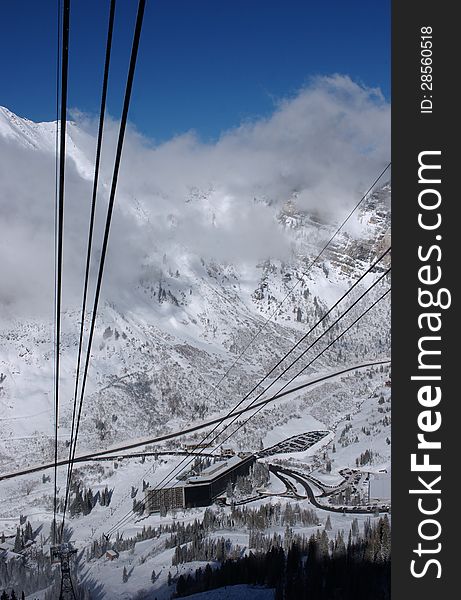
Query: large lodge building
{"x": 200, "y": 490}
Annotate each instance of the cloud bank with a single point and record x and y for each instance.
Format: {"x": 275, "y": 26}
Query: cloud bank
{"x": 187, "y": 198}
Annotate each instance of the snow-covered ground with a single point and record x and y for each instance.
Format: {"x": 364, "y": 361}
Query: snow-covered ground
{"x": 167, "y": 354}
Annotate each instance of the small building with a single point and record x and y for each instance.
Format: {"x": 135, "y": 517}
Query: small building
{"x": 191, "y": 446}
{"x": 227, "y": 451}
{"x": 112, "y": 554}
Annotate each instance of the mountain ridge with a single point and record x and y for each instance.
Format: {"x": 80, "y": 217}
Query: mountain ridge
{"x": 162, "y": 347}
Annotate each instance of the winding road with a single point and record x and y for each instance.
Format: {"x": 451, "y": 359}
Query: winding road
{"x": 281, "y": 471}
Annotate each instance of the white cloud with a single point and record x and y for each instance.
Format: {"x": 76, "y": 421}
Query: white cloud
{"x": 219, "y": 200}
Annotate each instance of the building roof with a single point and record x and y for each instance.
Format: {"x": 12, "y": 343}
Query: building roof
{"x": 380, "y": 486}
{"x": 208, "y": 475}
{"x": 153, "y": 491}
{"x": 216, "y": 470}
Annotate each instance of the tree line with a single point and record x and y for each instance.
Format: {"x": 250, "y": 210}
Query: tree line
{"x": 308, "y": 568}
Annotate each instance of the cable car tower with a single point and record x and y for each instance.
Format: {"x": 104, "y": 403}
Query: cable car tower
{"x": 62, "y": 554}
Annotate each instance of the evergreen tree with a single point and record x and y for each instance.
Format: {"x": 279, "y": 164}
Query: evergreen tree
{"x": 17, "y": 541}
{"x": 323, "y": 543}
{"x": 28, "y": 533}
{"x": 339, "y": 548}
{"x": 328, "y": 526}
{"x": 181, "y": 586}
{"x": 355, "y": 528}
{"x": 53, "y": 532}
{"x": 125, "y": 575}
{"x": 313, "y": 569}
{"x": 207, "y": 577}
{"x": 77, "y": 506}
{"x": 89, "y": 501}
{"x": 229, "y": 490}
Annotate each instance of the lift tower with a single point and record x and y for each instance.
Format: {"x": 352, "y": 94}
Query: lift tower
{"x": 62, "y": 554}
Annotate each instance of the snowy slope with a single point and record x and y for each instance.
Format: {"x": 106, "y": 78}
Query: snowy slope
{"x": 171, "y": 330}
{"x": 163, "y": 345}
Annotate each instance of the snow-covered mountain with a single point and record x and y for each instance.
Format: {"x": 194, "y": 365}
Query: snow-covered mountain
{"x": 174, "y": 319}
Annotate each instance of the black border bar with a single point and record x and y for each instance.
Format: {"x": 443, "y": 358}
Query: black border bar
{"x": 425, "y": 120}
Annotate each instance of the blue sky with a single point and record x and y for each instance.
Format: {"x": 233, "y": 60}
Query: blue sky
{"x": 204, "y": 65}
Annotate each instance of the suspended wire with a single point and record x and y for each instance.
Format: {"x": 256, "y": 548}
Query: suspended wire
{"x": 102, "y": 111}
{"x": 281, "y": 392}
{"x": 60, "y": 233}
{"x": 118, "y": 155}
{"x": 170, "y": 474}
{"x": 298, "y": 388}
{"x": 76, "y": 422}
{"x": 303, "y": 353}
{"x": 289, "y": 293}
{"x": 55, "y": 248}
{"x": 263, "y": 326}
{"x": 311, "y": 264}
{"x": 231, "y": 413}
{"x": 161, "y": 438}
{"x": 278, "y": 395}
{"x": 224, "y": 418}
{"x": 104, "y": 454}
